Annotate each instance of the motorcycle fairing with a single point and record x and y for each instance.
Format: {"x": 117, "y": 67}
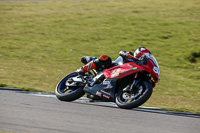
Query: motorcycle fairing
{"x": 152, "y": 69}
{"x": 105, "y": 90}
{"x": 123, "y": 70}
{"x": 127, "y": 69}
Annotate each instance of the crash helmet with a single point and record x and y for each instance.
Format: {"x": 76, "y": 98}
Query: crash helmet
{"x": 141, "y": 52}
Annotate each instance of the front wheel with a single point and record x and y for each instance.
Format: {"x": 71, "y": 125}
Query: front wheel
{"x": 129, "y": 100}
{"x": 68, "y": 93}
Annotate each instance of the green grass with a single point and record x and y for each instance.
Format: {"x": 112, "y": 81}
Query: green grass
{"x": 41, "y": 42}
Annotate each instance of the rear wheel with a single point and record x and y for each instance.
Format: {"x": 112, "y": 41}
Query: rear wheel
{"x": 128, "y": 100}
{"x": 68, "y": 93}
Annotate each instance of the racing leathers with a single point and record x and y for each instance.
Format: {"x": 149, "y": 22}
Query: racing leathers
{"x": 102, "y": 62}
{"x": 105, "y": 62}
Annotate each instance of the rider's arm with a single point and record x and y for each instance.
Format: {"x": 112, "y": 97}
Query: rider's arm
{"x": 125, "y": 54}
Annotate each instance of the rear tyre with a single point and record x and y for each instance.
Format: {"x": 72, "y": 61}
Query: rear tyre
{"x": 71, "y": 93}
{"x": 138, "y": 100}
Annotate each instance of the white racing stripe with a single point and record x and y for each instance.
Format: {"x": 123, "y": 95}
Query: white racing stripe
{"x": 86, "y": 100}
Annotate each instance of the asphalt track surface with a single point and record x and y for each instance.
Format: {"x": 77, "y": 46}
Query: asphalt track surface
{"x": 21, "y": 112}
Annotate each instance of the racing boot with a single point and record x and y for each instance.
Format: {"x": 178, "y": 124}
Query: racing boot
{"x": 87, "y": 59}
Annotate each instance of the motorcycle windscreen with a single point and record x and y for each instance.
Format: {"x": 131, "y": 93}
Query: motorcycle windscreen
{"x": 121, "y": 71}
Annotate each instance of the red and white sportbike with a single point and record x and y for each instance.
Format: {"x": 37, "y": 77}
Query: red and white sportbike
{"x": 127, "y": 84}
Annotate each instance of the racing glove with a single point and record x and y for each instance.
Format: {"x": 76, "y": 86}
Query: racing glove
{"x": 130, "y": 55}
{"x": 125, "y": 54}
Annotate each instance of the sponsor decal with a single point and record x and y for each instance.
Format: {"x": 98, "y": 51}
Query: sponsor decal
{"x": 124, "y": 71}
{"x": 156, "y": 69}
{"x": 106, "y": 96}
{"x": 108, "y": 83}
{"x": 98, "y": 93}
{"x": 105, "y": 92}
{"x": 134, "y": 68}
{"x": 131, "y": 65}
{"x": 115, "y": 73}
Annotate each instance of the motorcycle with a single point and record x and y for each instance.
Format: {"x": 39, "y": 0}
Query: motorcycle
{"x": 127, "y": 84}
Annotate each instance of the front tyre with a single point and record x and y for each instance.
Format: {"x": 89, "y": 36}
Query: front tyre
{"x": 68, "y": 93}
{"x": 129, "y": 100}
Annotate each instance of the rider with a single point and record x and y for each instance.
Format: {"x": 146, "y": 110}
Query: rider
{"x": 138, "y": 57}
{"x": 105, "y": 61}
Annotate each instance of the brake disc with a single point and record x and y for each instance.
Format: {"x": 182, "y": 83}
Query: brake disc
{"x": 128, "y": 96}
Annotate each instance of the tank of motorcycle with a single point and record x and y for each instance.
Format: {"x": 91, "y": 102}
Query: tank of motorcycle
{"x": 123, "y": 70}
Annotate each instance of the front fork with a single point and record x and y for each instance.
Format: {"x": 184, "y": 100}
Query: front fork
{"x": 133, "y": 85}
